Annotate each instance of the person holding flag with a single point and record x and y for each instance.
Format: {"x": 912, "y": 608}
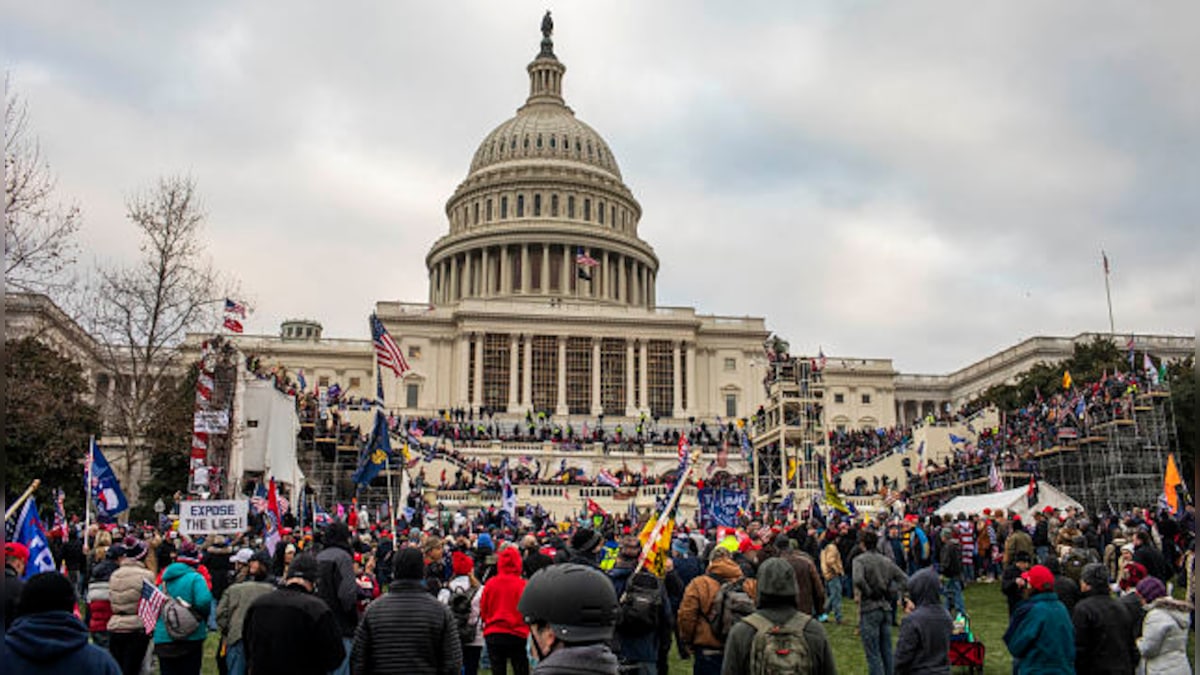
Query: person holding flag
{"x": 644, "y": 620}
{"x": 103, "y": 485}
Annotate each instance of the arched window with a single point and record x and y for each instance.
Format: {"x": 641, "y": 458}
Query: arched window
{"x": 613, "y": 216}
{"x": 503, "y": 207}
{"x": 587, "y": 209}
{"x": 537, "y": 205}
{"x": 570, "y": 206}
{"x": 554, "y": 206}
{"x": 526, "y": 142}
{"x": 489, "y": 210}
{"x": 552, "y": 142}
{"x": 513, "y": 145}
{"x": 476, "y": 220}
{"x": 520, "y": 206}
{"x": 600, "y": 213}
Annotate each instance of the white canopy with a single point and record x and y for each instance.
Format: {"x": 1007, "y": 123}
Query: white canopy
{"x": 1010, "y": 500}
{"x": 271, "y": 426}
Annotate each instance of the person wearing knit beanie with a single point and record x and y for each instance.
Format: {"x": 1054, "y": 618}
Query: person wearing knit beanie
{"x": 461, "y": 564}
{"x": 1151, "y": 589}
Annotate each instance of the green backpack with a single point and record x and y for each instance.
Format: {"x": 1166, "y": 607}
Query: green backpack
{"x": 779, "y": 649}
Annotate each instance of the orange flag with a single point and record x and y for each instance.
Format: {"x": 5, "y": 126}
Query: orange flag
{"x": 1171, "y": 481}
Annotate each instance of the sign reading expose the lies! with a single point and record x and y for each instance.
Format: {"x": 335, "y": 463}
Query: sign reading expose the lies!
{"x": 212, "y": 516}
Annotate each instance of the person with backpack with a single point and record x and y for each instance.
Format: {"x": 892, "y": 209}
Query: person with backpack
{"x": 951, "y": 568}
{"x": 711, "y": 605}
{"x": 183, "y": 623}
{"x": 290, "y": 630}
{"x": 407, "y": 630}
{"x": 923, "y": 646}
{"x": 462, "y": 595}
{"x": 777, "y": 637}
{"x": 644, "y": 621}
{"x": 877, "y": 581}
{"x": 832, "y": 572}
{"x": 504, "y": 630}
{"x": 337, "y": 586}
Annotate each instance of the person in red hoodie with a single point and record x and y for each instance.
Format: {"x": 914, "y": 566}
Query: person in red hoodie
{"x": 504, "y": 629}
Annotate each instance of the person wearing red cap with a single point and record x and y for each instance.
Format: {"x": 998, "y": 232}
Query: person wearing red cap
{"x": 462, "y": 594}
{"x": 15, "y": 557}
{"x": 1040, "y": 635}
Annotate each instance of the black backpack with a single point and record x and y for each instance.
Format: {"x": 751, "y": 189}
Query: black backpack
{"x": 640, "y": 605}
{"x": 460, "y": 608}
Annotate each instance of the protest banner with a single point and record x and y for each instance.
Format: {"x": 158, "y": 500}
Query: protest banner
{"x": 720, "y": 507}
{"x": 212, "y": 516}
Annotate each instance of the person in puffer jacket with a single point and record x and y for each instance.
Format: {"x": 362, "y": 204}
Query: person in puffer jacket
{"x": 99, "y": 601}
{"x": 923, "y": 647}
{"x": 1163, "y": 644}
{"x": 504, "y": 629}
{"x": 46, "y": 638}
{"x": 181, "y": 580}
{"x": 127, "y": 635}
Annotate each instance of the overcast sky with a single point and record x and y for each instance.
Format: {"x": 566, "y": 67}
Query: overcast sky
{"x": 926, "y": 182}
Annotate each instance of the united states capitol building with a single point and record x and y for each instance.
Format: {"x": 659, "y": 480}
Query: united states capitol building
{"x": 542, "y": 298}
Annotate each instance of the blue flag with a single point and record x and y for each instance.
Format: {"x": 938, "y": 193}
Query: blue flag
{"x": 376, "y": 452}
{"x": 31, "y": 533}
{"x": 786, "y": 504}
{"x": 105, "y": 488}
{"x": 955, "y": 440}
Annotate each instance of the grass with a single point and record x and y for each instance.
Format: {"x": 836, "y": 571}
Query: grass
{"x": 985, "y": 603}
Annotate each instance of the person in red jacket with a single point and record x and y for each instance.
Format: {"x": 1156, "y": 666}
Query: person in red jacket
{"x": 504, "y": 629}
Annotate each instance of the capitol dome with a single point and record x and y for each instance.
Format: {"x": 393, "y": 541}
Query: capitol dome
{"x": 543, "y": 210}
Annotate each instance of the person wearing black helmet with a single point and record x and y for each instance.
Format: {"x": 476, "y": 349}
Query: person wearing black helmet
{"x": 571, "y": 611}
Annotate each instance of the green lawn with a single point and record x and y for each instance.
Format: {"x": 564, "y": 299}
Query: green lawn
{"x": 989, "y": 619}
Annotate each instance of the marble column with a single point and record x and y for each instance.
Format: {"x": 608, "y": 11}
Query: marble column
{"x": 477, "y": 399}
{"x": 468, "y": 276}
{"x": 597, "y": 408}
{"x": 630, "y": 410}
{"x": 676, "y": 382}
{"x": 512, "y": 373}
{"x": 485, "y": 275}
{"x": 527, "y": 375}
{"x": 622, "y": 280}
{"x": 561, "y": 407}
{"x": 524, "y": 269}
{"x": 464, "y": 366}
{"x": 604, "y": 275}
{"x": 643, "y": 387}
{"x": 691, "y": 408}
{"x": 505, "y": 270}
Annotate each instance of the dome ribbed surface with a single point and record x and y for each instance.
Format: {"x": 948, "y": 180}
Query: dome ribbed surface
{"x": 545, "y": 131}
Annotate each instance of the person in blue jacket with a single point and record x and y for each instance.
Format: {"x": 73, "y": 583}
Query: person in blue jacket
{"x": 181, "y": 580}
{"x": 1040, "y": 635}
{"x": 46, "y": 637}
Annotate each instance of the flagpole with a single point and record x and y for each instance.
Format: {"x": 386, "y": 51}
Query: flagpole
{"x": 21, "y": 500}
{"x": 1112, "y": 327}
{"x": 87, "y": 493}
{"x": 652, "y": 540}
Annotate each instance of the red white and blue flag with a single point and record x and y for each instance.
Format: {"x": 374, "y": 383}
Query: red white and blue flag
{"x": 271, "y": 518}
{"x": 605, "y": 477}
{"x": 235, "y": 307}
{"x": 584, "y": 260}
{"x": 150, "y": 605}
{"x": 233, "y": 325}
{"x": 387, "y": 352}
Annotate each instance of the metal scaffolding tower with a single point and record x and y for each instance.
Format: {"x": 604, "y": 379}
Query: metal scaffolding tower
{"x": 789, "y": 435}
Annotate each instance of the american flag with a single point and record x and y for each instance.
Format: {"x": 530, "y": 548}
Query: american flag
{"x": 605, "y": 477}
{"x": 387, "y": 352}
{"x": 584, "y": 260}
{"x": 233, "y": 325}
{"x": 235, "y": 307}
{"x": 685, "y": 449}
{"x": 60, "y": 514}
{"x": 150, "y": 605}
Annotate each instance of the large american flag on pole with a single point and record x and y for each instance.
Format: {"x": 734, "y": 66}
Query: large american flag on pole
{"x": 150, "y": 605}
{"x": 387, "y": 352}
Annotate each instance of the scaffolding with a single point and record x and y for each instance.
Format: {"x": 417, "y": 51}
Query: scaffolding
{"x": 1115, "y": 464}
{"x": 789, "y": 437}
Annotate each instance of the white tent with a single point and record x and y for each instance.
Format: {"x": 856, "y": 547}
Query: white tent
{"x": 1010, "y": 500}
{"x": 269, "y": 436}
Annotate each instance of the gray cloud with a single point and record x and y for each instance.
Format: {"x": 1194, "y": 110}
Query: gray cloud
{"x": 925, "y": 181}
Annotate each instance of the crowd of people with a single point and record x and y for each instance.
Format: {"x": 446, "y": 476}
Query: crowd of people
{"x": 1087, "y": 593}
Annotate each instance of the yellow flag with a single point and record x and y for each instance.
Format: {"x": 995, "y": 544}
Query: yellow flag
{"x": 1171, "y": 481}
{"x": 791, "y": 468}
{"x": 656, "y": 560}
{"x": 1066, "y": 379}
{"x": 644, "y": 535}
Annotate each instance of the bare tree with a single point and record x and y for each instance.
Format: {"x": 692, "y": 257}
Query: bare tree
{"x": 143, "y": 312}
{"x": 39, "y": 232}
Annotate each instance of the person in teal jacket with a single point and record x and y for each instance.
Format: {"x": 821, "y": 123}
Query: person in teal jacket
{"x": 181, "y": 580}
{"x": 1040, "y": 635}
